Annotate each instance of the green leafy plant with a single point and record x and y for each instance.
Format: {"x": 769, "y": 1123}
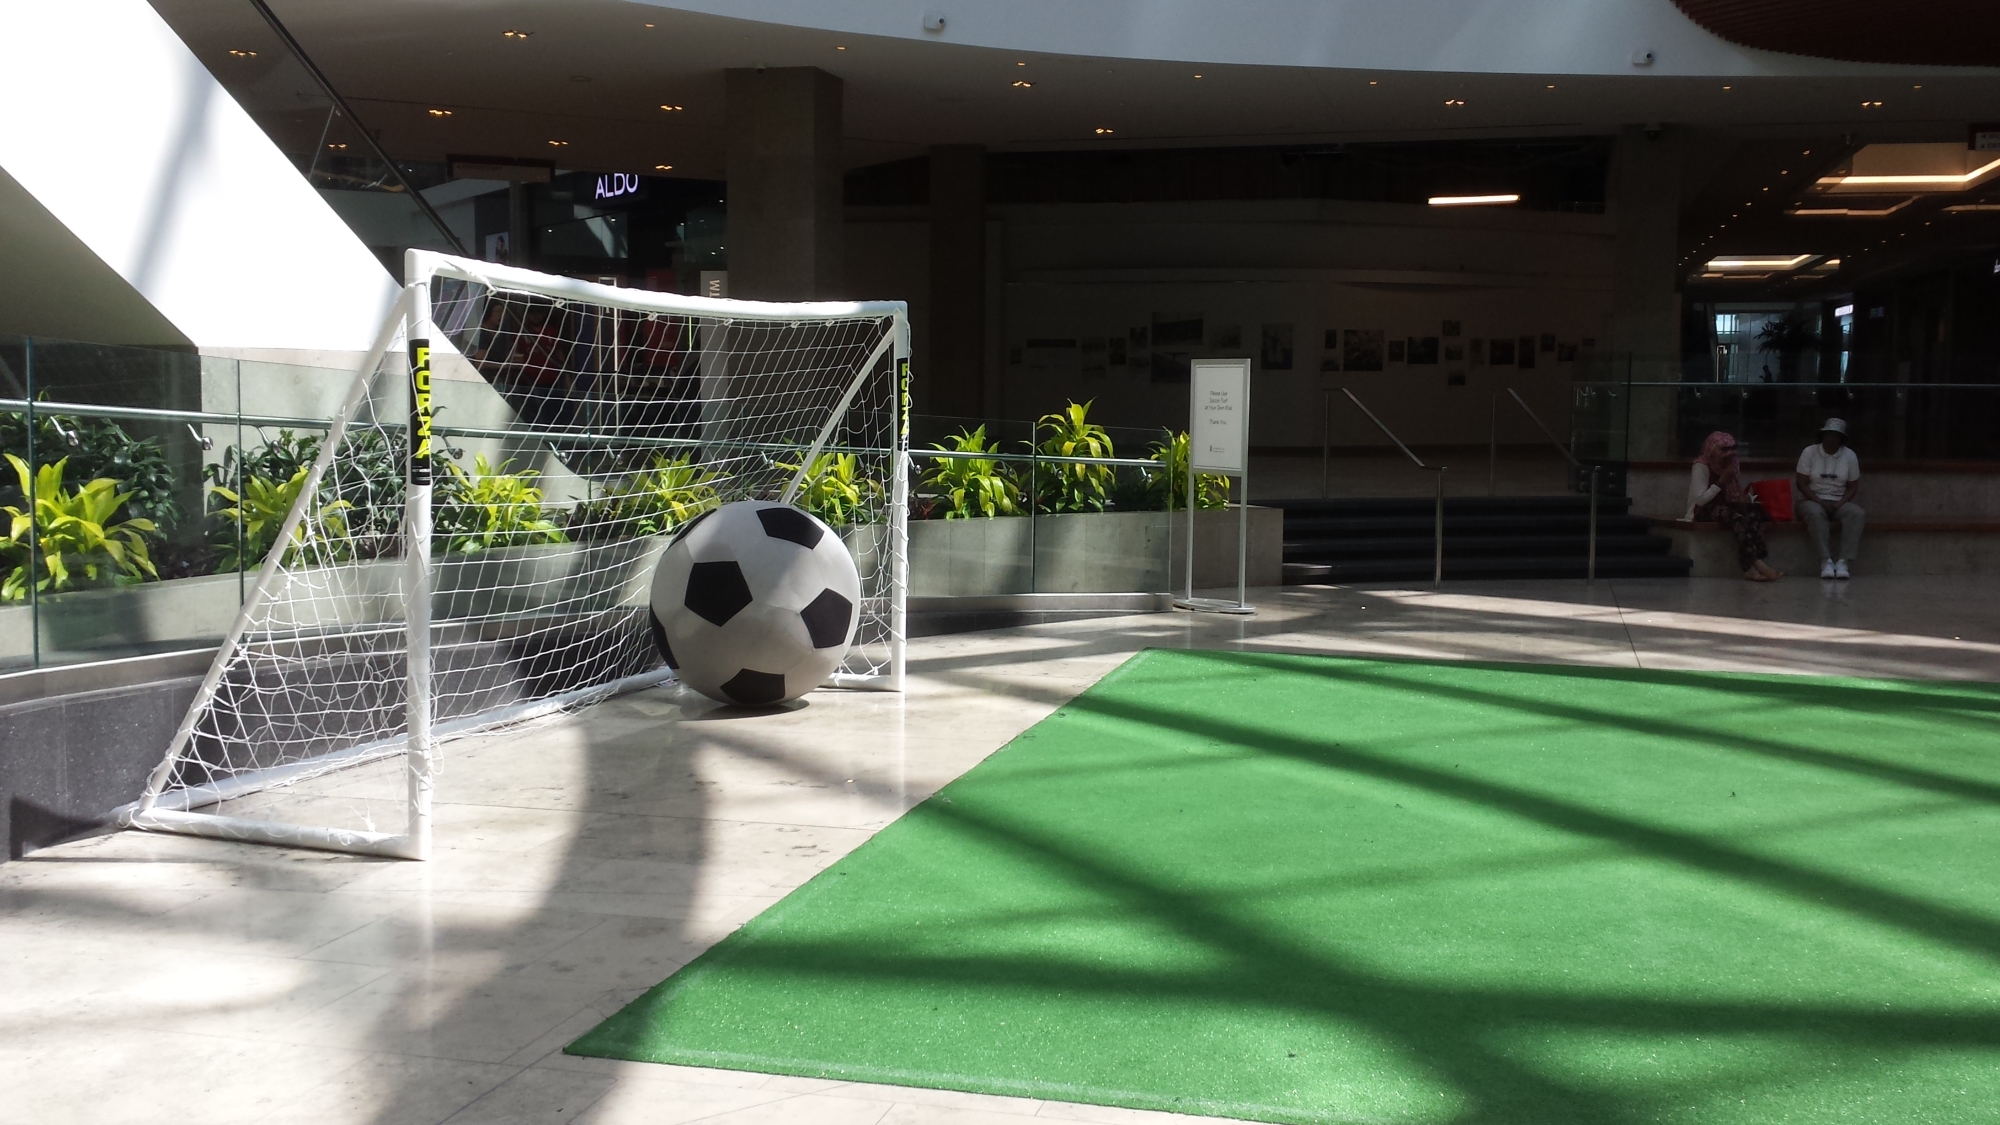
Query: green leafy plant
{"x": 101, "y": 448}
{"x": 68, "y": 540}
{"x": 973, "y": 486}
{"x": 1169, "y": 486}
{"x": 1073, "y": 488}
{"x": 652, "y": 501}
{"x": 254, "y": 517}
{"x": 490, "y": 507}
{"x": 834, "y": 489}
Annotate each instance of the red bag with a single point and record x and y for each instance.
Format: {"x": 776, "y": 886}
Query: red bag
{"x": 1776, "y": 497}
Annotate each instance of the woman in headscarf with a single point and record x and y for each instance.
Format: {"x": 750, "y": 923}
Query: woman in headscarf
{"x": 1716, "y": 493}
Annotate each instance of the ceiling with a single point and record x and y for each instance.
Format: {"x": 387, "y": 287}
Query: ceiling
{"x": 592, "y": 73}
{"x": 1909, "y": 32}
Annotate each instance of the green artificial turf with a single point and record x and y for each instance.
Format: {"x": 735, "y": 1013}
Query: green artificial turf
{"x": 1308, "y": 889}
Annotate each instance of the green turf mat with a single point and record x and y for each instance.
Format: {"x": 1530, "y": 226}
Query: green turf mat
{"x": 1309, "y": 889}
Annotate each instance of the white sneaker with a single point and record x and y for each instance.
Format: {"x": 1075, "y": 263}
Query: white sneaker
{"x": 1826, "y": 568}
{"x": 1840, "y": 569}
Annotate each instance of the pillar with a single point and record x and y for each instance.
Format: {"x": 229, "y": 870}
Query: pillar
{"x": 1645, "y": 207}
{"x": 953, "y": 366}
{"x": 784, "y": 168}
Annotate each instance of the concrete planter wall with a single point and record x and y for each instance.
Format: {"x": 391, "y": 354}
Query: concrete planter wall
{"x": 1104, "y": 552}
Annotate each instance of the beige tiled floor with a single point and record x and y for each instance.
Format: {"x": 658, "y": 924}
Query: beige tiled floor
{"x": 150, "y": 978}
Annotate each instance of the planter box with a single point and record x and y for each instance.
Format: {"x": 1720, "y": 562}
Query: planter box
{"x": 1103, "y": 552}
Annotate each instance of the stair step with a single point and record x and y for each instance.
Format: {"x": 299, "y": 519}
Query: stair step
{"x": 1400, "y": 570}
{"x": 1392, "y": 539}
{"x": 1315, "y": 550}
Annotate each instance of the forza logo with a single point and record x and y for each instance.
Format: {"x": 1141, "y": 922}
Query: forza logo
{"x": 420, "y": 412}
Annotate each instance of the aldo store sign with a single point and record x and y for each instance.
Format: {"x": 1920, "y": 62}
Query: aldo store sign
{"x": 618, "y": 185}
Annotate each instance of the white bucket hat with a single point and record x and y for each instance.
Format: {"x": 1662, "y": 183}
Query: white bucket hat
{"x": 1835, "y": 425}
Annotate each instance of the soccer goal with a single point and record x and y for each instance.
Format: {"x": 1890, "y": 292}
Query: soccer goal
{"x": 471, "y": 540}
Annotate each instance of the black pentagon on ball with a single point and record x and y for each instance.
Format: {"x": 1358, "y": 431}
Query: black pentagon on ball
{"x": 660, "y": 642}
{"x": 826, "y": 619}
{"x": 716, "y": 591}
{"x": 792, "y": 524}
{"x": 755, "y": 689}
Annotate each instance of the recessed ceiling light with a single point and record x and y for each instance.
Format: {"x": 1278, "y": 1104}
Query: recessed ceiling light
{"x": 1197, "y": 76}
{"x": 839, "y": 47}
{"x": 663, "y": 167}
{"x": 1102, "y": 131}
{"x": 670, "y": 108}
{"x": 1472, "y": 200}
{"x": 1021, "y": 64}
{"x": 342, "y": 144}
{"x": 1870, "y": 105}
{"x": 242, "y": 54}
{"x": 1454, "y": 101}
{"x": 440, "y": 113}
{"x": 559, "y": 144}
{"x": 649, "y": 25}
{"x": 1729, "y": 87}
{"x": 510, "y": 33}
{"x": 1552, "y": 86}
{"x": 1023, "y": 84}
{"x": 1372, "y": 82}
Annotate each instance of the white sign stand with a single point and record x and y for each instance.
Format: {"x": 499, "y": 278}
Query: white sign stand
{"x": 1219, "y": 444}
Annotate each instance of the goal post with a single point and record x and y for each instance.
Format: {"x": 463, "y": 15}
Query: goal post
{"x": 471, "y": 541}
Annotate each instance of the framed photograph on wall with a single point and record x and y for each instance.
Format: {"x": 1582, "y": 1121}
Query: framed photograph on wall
{"x": 1548, "y": 341}
{"x": 1424, "y": 349}
{"x": 1454, "y": 353}
{"x": 1524, "y": 357}
{"x": 1500, "y": 353}
{"x": 1450, "y": 328}
{"x": 1276, "y": 354}
{"x": 1362, "y": 349}
{"x": 1475, "y": 351}
{"x": 1565, "y": 353}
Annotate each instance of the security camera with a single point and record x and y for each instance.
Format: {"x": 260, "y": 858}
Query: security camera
{"x": 1642, "y": 58}
{"x": 933, "y": 21}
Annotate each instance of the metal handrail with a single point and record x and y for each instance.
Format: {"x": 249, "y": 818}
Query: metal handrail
{"x": 1493, "y": 464}
{"x": 964, "y": 455}
{"x": 1326, "y": 446}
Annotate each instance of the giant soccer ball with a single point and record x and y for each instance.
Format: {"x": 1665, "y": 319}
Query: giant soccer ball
{"x": 754, "y": 603}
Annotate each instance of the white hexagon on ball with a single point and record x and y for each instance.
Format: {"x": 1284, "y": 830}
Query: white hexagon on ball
{"x": 755, "y": 603}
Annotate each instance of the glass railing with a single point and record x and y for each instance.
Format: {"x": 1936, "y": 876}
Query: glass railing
{"x": 137, "y": 455}
{"x": 1898, "y": 421}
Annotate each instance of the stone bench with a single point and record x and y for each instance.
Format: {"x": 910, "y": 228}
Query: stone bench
{"x": 1887, "y": 548}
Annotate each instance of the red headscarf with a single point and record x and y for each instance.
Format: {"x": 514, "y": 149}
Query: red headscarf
{"x": 1719, "y": 454}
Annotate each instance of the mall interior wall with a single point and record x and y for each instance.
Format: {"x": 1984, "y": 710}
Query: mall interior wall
{"x": 1110, "y": 301}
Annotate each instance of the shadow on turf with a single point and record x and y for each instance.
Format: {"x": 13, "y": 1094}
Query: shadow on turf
{"x": 1458, "y": 1033}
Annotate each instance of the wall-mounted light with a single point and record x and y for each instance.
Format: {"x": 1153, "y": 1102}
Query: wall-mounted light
{"x": 560, "y": 144}
{"x": 1023, "y": 84}
{"x": 242, "y": 54}
{"x": 511, "y": 33}
{"x": 1472, "y": 200}
{"x": 663, "y": 167}
{"x": 1102, "y": 131}
{"x": 672, "y": 108}
{"x": 439, "y": 112}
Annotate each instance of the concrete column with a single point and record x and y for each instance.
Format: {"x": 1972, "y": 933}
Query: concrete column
{"x": 954, "y": 356}
{"x": 785, "y": 208}
{"x": 1645, "y": 205}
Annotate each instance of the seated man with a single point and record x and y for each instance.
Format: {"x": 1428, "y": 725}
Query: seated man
{"x": 1828, "y": 477}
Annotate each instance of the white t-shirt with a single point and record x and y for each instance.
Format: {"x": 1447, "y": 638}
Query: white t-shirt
{"x": 1828, "y": 473}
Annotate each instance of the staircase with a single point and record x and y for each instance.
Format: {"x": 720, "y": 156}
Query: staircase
{"x": 1390, "y": 540}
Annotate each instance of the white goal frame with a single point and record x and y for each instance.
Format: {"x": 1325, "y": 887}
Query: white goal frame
{"x": 179, "y": 811}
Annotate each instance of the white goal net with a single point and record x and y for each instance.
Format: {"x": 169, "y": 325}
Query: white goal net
{"x": 471, "y": 540}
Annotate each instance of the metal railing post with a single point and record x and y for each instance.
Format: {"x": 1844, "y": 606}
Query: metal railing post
{"x": 34, "y": 513}
{"x": 1325, "y": 443}
{"x": 1493, "y": 447}
{"x": 1437, "y": 572}
{"x": 1590, "y": 573}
